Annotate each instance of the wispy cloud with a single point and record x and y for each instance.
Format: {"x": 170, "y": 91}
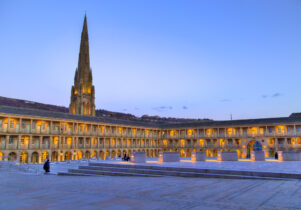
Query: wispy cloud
{"x": 184, "y": 107}
{"x": 275, "y": 95}
{"x": 162, "y": 108}
{"x": 225, "y": 100}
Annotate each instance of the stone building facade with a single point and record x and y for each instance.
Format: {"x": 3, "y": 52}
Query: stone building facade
{"x": 32, "y": 135}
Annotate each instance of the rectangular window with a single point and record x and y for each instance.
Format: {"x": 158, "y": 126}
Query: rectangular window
{"x": 80, "y": 141}
{"x": 11, "y": 124}
{"x": 23, "y": 125}
{"x": 270, "y": 130}
{"x": 43, "y": 126}
{"x": 1, "y": 122}
{"x": 34, "y": 125}
{"x": 11, "y": 140}
{"x": 298, "y": 129}
{"x": 288, "y": 129}
{"x": 22, "y": 140}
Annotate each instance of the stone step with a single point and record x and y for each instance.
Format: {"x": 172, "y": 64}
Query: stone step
{"x": 109, "y": 173}
{"x": 199, "y": 170}
{"x": 155, "y": 173}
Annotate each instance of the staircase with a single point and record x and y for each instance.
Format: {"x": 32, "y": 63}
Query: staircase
{"x": 110, "y": 169}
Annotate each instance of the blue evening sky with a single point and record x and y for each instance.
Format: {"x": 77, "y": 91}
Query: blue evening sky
{"x": 194, "y": 59}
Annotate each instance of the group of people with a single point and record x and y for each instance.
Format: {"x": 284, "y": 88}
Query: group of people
{"x": 126, "y": 158}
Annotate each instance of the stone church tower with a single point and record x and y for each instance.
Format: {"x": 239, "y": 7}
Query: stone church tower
{"x": 82, "y": 92}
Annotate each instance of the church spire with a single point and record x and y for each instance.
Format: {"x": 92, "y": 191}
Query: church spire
{"x": 82, "y": 93}
{"x": 84, "y": 57}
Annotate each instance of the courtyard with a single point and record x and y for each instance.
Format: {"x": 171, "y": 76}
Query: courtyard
{"x": 31, "y": 189}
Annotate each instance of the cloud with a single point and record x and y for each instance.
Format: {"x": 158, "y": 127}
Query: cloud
{"x": 162, "y": 108}
{"x": 264, "y": 96}
{"x": 184, "y": 107}
{"x": 225, "y": 100}
{"x": 275, "y": 95}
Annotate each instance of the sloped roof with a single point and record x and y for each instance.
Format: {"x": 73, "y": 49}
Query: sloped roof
{"x": 226, "y": 123}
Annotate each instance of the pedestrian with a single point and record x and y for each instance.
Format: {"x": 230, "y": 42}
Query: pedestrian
{"x": 276, "y": 155}
{"x": 46, "y": 166}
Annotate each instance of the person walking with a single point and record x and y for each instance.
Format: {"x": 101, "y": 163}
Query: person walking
{"x": 46, "y": 166}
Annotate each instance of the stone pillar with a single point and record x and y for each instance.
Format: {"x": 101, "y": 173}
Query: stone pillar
{"x": 7, "y": 142}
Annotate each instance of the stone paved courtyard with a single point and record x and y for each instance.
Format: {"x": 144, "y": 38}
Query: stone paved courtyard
{"x": 28, "y": 191}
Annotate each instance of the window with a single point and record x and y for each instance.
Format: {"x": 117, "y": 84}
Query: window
{"x": 43, "y": 126}
{"x": 23, "y": 125}
{"x": 22, "y": 140}
{"x": 270, "y": 130}
{"x": 34, "y": 125}
{"x": 11, "y": 124}
{"x": 288, "y": 129}
{"x": 80, "y": 141}
{"x": 279, "y": 130}
{"x": 298, "y": 129}
{"x": 11, "y": 140}
{"x": 1, "y": 122}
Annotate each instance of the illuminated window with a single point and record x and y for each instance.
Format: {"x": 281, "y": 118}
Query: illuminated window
{"x": 75, "y": 92}
{"x": 288, "y": 129}
{"x": 298, "y": 129}
{"x": 1, "y": 122}
{"x": 43, "y": 126}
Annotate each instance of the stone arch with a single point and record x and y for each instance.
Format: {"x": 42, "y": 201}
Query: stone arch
{"x": 118, "y": 153}
{"x": 1, "y": 156}
{"x": 87, "y": 154}
{"x": 101, "y": 155}
{"x": 238, "y": 153}
{"x": 67, "y": 155}
{"x": 35, "y": 157}
{"x": 54, "y": 156}
{"x": 182, "y": 153}
{"x": 45, "y": 155}
{"x": 253, "y": 145}
{"x": 94, "y": 154}
{"x": 106, "y": 155}
{"x": 113, "y": 154}
{"x": 24, "y": 158}
{"x": 79, "y": 154}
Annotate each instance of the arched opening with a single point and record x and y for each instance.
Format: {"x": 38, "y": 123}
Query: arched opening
{"x": 118, "y": 153}
{"x": 45, "y": 156}
{"x": 87, "y": 155}
{"x": 24, "y": 158}
{"x": 79, "y": 155}
{"x": 183, "y": 153}
{"x": 68, "y": 155}
{"x": 94, "y": 154}
{"x": 1, "y": 156}
{"x": 101, "y": 154}
{"x": 12, "y": 156}
{"x": 54, "y": 156}
{"x": 253, "y": 146}
{"x": 106, "y": 155}
{"x": 238, "y": 153}
{"x": 35, "y": 157}
{"x": 113, "y": 154}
